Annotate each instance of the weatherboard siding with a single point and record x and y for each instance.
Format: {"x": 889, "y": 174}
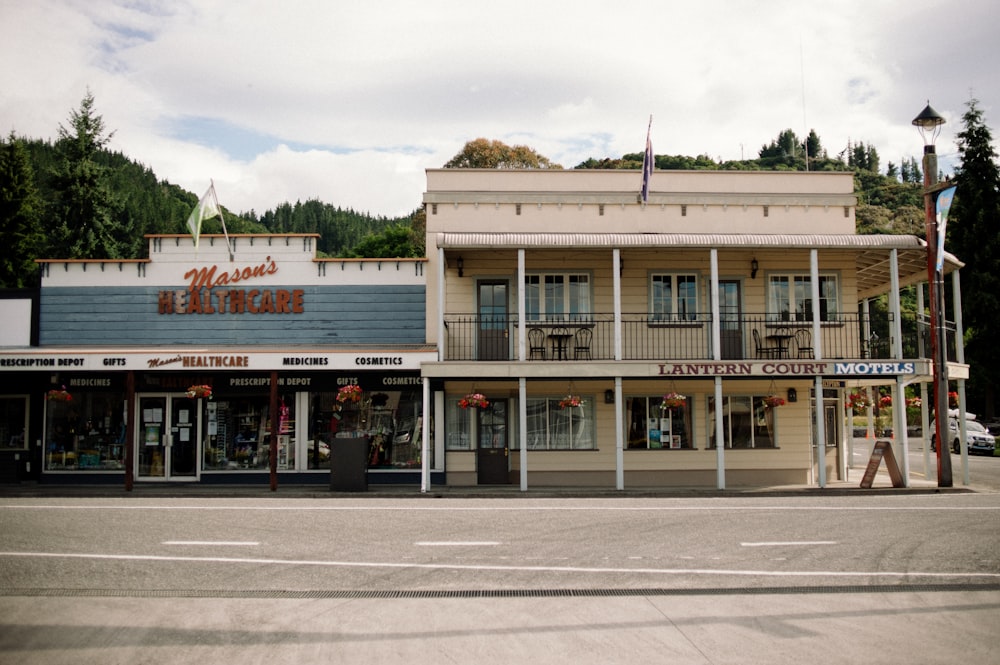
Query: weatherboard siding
{"x": 128, "y": 316}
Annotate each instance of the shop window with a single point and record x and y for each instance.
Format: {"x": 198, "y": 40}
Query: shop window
{"x": 13, "y": 422}
{"x": 746, "y": 422}
{"x": 84, "y": 431}
{"x": 652, "y": 425}
{"x": 458, "y": 425}
{"x": 390, "y": 421}
{"x": 553, "y": 427}
{"x": 789, "y": 298}
{"x": 238, "y": 432}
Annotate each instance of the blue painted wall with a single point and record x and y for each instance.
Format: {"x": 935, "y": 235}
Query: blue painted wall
{"x": 128, "y": 316}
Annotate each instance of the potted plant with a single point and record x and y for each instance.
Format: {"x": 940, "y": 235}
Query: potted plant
{"x": 773, "y": 401}
{"x": 349, "y": 393}
{"x": 673, "y": 400}
{"x": 474, "y": 400}
{"x": 59, "y": 395}
{"x": 195, "y": 392}
{"x": 570, "y": 401}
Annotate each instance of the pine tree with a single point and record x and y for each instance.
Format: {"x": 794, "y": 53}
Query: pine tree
{"x": 86, "y": 212}
{"x": 20, "y": 216}
{"x": 974, "y": 234}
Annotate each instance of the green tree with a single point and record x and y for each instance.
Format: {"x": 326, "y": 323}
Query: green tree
{"x": 974, "y": 234}
{"x": 88, "y": 222}
{"x": 20, "y": 216}
{"x": 485, "y": 154}
{"x": 394, "y": 242}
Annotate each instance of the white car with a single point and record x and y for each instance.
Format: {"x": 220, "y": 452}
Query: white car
{"x": 977, "y": 437}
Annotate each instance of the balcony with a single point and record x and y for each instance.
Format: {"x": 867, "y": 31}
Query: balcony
{"x": 644, "y": 337}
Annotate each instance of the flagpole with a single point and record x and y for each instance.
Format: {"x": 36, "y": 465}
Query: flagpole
{"x": 222, "y": 219}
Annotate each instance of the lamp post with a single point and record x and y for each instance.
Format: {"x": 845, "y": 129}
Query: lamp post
{"x": 928, "y": 123}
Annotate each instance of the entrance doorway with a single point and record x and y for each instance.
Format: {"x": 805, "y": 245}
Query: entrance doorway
{"x": 168, "y": 437}
{"x": 493, "y": 449}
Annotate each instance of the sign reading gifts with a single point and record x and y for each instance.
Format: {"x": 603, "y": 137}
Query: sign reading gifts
{"x": 209, "y": 292}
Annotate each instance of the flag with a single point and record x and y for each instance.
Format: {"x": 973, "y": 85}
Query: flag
{"x": 647, "y": 164}
{"x": 943, "y": 204}
{"x": 207, "y": 208}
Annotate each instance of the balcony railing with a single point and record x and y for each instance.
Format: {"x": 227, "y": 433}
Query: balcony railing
{"x": 646, "y": 337}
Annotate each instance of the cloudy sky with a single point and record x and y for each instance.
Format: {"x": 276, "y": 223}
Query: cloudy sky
{"x": 349, "y": 101}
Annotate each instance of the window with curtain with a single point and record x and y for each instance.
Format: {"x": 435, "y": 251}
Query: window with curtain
{"x": 673, "y": 297}
{"x": 551, "y": 427}
{"x": 557, "y": 297}
{"x": 789, "y": 298}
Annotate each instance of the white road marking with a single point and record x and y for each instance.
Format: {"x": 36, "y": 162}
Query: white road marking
{"x": 234, "y": 543}
{"x": 553, "y": 569}
{"x": 518, "y": 508}
{"x": 783, "y": 543}
{"x": 457, "y": 543}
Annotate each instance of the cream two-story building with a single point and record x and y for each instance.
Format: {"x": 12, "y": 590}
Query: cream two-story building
{"x": 704, "y": 337}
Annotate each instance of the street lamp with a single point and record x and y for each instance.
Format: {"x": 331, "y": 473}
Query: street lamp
{"x": 928, "y": 123}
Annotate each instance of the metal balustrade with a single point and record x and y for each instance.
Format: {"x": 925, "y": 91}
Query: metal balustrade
{"x": 648, "y": 337}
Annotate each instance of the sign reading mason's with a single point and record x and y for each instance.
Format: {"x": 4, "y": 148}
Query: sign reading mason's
{"x": 732, "y": 368}
{"x": 204, "y": 295}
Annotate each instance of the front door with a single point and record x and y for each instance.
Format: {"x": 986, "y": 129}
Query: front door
{"x": 169, "y": 434}
{"x": 731, "y": 338}
{"x": 493, "y": 325}
{"x": 492, "y": 447}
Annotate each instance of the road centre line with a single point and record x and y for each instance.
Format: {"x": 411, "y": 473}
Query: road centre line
{"x": 518, "y": 508}
{"x": 783, "y": 543}
{"x": 534, "y": 569}
{"x": 457, "y": 543}
{"x": 234, "y": 543}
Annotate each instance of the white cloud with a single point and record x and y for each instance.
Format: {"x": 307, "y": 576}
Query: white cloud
{"x": 349, "y": 102}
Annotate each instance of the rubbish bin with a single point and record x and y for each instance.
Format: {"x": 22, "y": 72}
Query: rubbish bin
{"x": 349, "y": 465}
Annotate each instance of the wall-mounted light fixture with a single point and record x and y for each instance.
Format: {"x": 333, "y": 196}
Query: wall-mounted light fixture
{"x": 754, "y": 267}
{"x": 793, "y": 396}
{"x": 461, "y": 267}
{"x": 609, "y": 396}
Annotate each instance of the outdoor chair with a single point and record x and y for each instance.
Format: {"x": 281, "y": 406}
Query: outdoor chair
{"x": 536, "y": 343}
{"x": 763, "y": 351}
{"x": 581, "y": 344}
{"x": 803, "y": 343}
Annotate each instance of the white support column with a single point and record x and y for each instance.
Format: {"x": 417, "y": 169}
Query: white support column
{"x": 817, "y": 331}
{"x": 820, "y": 431}
{"x": 899, "y": 425}
{"x": 956, "y": 292}
{"x": 925, "y": 421}
{"x": 522, "y": 348}
{"x": 616, "y": 281}
{"x": 619, "y": 436}
{"x": 425, "y": 440}
{"x": 522, "y": 429}
{"x": 720, "y": 439}
{"x": 894, "y": 307}
{"x": 440, "y": 299}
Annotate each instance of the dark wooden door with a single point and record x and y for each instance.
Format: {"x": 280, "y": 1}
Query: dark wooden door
{"x": 493, "y": 453}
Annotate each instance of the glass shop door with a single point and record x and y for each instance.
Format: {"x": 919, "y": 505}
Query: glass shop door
{"x": 169, "y": 437}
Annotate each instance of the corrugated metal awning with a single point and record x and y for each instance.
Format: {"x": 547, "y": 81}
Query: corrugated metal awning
{"x": 872, "y": 252}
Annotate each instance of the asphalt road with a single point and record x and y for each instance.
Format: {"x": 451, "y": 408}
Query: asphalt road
{"x": 911, "y": 577}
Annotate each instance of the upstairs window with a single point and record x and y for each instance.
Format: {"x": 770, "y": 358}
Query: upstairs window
{"x": 789, "y": 298}
{"x": 557, "y": 297}
{"x": 673, "y": 297}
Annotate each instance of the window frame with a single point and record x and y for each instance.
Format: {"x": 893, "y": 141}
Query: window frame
{"x": 653, "y": 404}
{"x": 674, "y": 300}
{"x": 758, "y": 415}
{"x": 796, "y": 291}
{"x": 574, "y": 303}
{"x": 555, "y": 418}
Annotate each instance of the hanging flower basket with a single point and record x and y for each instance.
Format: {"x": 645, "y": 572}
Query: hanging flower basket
{"x": 570, "y": 401}
{"x": 351, "y": 393}
{"x": 195, "y": 392}
{"x": 60, "y": 395}
{"x": 859, "y": 401}
{"x": 474, "y": 400}
{"x": 673, "y": 401}
{"x": 773, "y": 401}
{"x": 885, "y": 401}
